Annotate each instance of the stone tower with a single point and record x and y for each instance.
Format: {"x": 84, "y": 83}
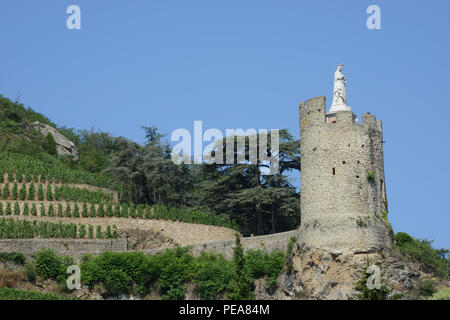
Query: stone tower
{"x": 343, "y": 194}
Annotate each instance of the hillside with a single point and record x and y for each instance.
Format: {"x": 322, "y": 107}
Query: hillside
{"x": 117, "y": 195}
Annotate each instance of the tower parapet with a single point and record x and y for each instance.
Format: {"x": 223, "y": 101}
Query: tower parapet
{"x": 343, "y": 197}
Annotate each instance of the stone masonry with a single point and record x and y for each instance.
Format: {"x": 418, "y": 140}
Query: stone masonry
{"x": 343, "y": 197}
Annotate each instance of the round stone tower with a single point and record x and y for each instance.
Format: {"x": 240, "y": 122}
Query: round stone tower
{"x": 343, "y": 194}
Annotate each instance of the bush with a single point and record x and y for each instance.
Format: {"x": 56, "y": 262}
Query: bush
{"x": 14, "y": 257}
{"x": 443, "y": 294}
{"x": 117, "y": 282}
{"x": 422, "y": 251}
{"x": 363, "y": 291}
{"x": 426, "y": 288}
{"x": 49, "y": 144}
{"x": 49, "y": 265}
{"x": 213, "y": 275}
{"x": 18, "y": 294}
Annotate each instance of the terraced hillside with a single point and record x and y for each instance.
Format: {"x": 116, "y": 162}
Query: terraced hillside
{"x": 44, "y": 201}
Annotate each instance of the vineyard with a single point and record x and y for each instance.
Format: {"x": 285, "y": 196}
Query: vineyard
{"x": 23, "y": 168}
{"x": 40, "y": 200}
{"x": 23, "y": 229}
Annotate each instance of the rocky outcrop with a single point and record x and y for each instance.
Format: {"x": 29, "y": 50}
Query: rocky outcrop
{"x": 320, "y": 275}
{"x": 64, "y": 146}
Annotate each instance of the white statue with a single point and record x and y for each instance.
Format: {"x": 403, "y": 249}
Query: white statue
{"x": 339, "y": 96}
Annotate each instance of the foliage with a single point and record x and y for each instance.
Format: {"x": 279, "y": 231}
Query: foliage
{"x": 371, "y": 175}
{"x": 24, "y": 229}
{"x": 40, "y": 171}
{"x": 49, "y": 144}
{"x": 422, "y": 251}
{"x": 50, "y": 266}
{"x": 241, "y": 284}
{"x": 15, "y": 257}
{"x": 214, "y": 276}
{"x": 18, "y": 294}
{"x": 363, "y": 291}
{"x": 443, "y": 294}
{"x": 426, "y": 288}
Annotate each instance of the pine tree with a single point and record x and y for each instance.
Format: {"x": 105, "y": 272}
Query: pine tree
{"x": 1, "y": 208}
{"x": 42, "y": 210}
{"x": 241, "y": 285}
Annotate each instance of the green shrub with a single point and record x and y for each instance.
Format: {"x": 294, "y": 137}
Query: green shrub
{"x": 363, "y": 291}
{"x": 31, "y": 192}
{"x": 443, "y": 294}
{"x": 49, "y": 144}
{"x": 117, "y": 282}
{"x": 49, "y": 265}
{"x": 14, "y": 257}
{"x": 422, "y": 251}
{"x": 18, "y": 294}
{"x": 426, "y": 288}
{"x": 212, "y": 276}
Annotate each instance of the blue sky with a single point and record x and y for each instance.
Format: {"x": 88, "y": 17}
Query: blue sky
{"x": 246, "y": 64}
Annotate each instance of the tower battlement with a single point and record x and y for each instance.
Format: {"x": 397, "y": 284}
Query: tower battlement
{"x": 343, "y": 197}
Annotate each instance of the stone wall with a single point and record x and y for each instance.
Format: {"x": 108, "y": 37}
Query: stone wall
{"x": 71, "y": 247}
{"x": 341, "y": 209}
{"x": 267, "y": 243}
{"x": 79, "y": 247}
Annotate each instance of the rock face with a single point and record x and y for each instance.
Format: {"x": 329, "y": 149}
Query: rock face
{"x": 320, "y": 275}
{"x": 64, "y": 146}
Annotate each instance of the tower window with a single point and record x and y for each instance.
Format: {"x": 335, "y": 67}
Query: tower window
{"x": 334, "y": 171}
{"x": 343, "y": 162}
{"x": 357, "y": 177}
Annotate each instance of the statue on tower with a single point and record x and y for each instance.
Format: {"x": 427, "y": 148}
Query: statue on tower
{"x": 339, "y": 95}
